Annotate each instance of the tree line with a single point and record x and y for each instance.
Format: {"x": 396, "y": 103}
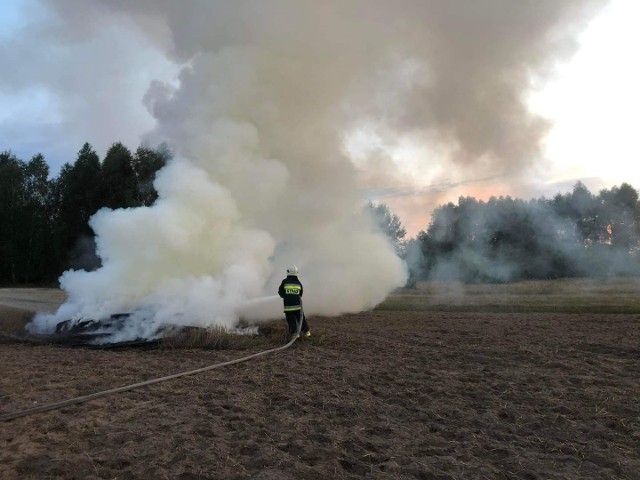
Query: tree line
{"x": 577, "y": 234}
{"x": 44, "y": 227}
{"x": 44, "y": 224}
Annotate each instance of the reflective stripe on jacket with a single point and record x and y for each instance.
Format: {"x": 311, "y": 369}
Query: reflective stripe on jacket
{"x": 291, "y": 293}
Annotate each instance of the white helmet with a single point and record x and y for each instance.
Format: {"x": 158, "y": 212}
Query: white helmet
{"x": 292, "y": 270}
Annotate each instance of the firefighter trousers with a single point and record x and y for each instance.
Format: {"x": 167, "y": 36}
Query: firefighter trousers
{"x": 293, "y": 318}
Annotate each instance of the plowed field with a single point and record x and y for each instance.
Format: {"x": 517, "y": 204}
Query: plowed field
{"x": 387, "y": 394}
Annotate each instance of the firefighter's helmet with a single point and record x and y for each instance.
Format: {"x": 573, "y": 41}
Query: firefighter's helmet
{"x": 292, "y": 270}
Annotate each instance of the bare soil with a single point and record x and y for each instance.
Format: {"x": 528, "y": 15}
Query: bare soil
{"x": 383, "y": 395}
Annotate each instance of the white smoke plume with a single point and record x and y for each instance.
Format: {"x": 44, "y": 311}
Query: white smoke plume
{"x": 267, "y": 92}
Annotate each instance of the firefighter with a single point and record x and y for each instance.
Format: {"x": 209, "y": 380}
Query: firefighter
{"x": 291, "y": 293}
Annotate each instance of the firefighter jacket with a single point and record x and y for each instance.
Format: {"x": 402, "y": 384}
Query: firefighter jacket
{"x": 291, "y": 292}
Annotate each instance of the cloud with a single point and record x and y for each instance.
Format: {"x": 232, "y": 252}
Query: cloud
{"x": 86, "y": 76}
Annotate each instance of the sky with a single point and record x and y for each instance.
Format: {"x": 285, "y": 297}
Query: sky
{"x": 594, "y": 103}
{"x": 590, "y": 99}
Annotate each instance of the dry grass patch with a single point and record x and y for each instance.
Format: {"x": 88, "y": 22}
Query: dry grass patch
{"x": 616, "y": 295}
{"x": 218, "y": 338}
{"x": 269, "y": 335}
{"x": 13, "y": 320}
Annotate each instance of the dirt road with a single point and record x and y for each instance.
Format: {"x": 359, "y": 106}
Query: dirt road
{"x": 33, "y": 299}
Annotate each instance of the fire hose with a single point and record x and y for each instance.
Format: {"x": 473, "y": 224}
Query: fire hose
{"x": 85, "y": 398}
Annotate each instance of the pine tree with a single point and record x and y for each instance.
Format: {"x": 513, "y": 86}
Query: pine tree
{"x": 119, "y": 183}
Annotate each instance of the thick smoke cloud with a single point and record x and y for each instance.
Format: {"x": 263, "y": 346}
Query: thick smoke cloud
{"x": 455, "y": 73}
{"x": 266, "y": 95}
{"x": 67, "y": 80}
